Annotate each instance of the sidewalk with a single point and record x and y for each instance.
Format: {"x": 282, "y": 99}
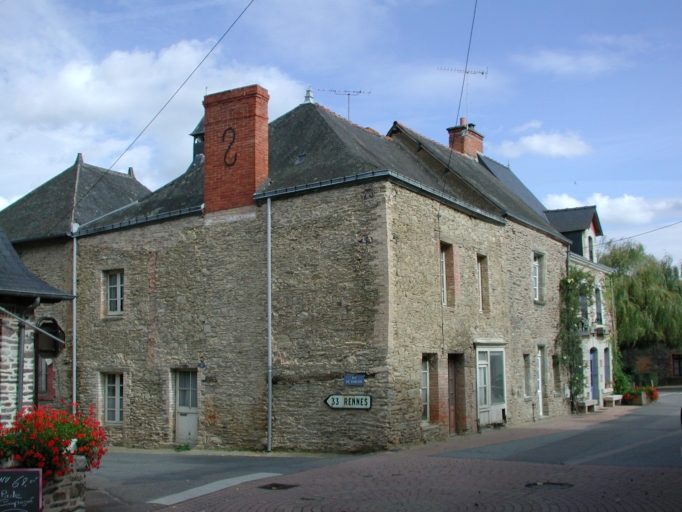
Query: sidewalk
{"x": 414, "y": 480}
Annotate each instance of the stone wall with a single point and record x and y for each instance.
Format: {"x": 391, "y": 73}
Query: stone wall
{"x": 51, "y": 262}
{"x": 420, "y": 325}
{"x": 66, "y": 493}
{"x": 9, "y": 367}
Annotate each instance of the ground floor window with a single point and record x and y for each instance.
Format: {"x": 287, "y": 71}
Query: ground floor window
{"x": 677, "y": 365}
{"x": 187, "y": 389}
{"x": 424, "y": 388}
{"x": 113, "y": 390}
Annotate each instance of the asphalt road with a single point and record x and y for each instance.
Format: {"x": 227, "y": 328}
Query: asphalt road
{"x": 643, "y": 437}
{"x": 648, "y": 437}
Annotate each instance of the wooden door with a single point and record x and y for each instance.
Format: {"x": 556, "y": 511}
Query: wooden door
{"x": 452, "y": 398}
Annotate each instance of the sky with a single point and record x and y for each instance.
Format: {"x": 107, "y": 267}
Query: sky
{"x": 581, "y": 98}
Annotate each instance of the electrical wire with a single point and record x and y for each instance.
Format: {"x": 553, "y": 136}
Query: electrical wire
{"x": 155, "y": 116}
{"x": 459, "y": 106}
{"x": 640, "y": 234}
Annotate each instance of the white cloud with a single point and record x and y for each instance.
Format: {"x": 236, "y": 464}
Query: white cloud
{"x": 565, "y": 145}
{"x": 530, "y": 125}
{"x": 626, "y": 210}
{"x": 56, "y": 101}
{"x": 604, "y": 53}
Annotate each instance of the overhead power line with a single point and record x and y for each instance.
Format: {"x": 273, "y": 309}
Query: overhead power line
{"x": 640, "y": 234}
{"x": 155, "y": 116}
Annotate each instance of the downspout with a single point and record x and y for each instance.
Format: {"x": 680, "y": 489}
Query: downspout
{"x": 20, "y": 355}
{"x": 74, "y": 286}
{"x": 269, "y": 286}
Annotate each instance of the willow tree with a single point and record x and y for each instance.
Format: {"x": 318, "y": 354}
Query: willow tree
{"x": 577, "y": 291}
{"x": 647, "y": 296}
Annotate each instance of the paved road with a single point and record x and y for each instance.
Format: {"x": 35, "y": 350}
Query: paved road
{"x": 626, "y": 458}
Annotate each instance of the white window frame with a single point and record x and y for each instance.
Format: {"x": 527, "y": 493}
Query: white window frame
{"x": 536, "y": 276}
{"x": 443, "y": 276}
{"x": 113, "y": 390}
{"x": 424, "y": 389}
{"x": 114, "y": 292}
{"x": 479, "y": 271}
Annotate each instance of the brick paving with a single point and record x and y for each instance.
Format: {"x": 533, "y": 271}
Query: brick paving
{"x": 412, "y": 480}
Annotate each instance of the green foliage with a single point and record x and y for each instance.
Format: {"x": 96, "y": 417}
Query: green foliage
{"x": 569, "y": 339}
{"x": 182, "y": 447}
{"x": 647, "y": 296}
{"x": 621, "y": 380}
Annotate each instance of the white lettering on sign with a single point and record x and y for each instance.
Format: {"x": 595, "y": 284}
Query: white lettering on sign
{"x": 349, "y": 401}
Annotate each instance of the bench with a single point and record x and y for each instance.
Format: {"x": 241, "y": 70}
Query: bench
{"x": 587, "y": 404}
{"x": 612, "y": 400}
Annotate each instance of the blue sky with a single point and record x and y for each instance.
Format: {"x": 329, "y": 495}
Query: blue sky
{"x": 582, "y": 98}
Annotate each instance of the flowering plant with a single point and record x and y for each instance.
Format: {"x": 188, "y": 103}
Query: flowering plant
{"x": 651, "y": 392}
{"x": 41, "y": 437}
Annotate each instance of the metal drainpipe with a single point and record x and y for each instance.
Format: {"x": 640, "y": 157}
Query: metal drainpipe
{"x": 74, "y": 285}
{"x": 269, "y": 286}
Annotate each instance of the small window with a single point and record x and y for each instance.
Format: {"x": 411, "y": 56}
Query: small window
{"x": 447, "y": 274}
{"x": 424, "y": 388}
{"x": 483, "y": 290}
{"x": 597, "y": 305}
{"x": 113, "y": 398}
{"x": 44, "y": 375}
{"x": 187, "y": 389}
{"x": 677, "y": 365}
{"x": 538, "y": 277}
{"x": 556, "y": 368}
{"x": 527, "y": 372}
{"x": 115, "y": 292}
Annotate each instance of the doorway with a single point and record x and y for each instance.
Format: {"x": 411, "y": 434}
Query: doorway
{"x": 594, "y": 375}
{"x": 187, "y": 411}
{"x": 539, "y": 384}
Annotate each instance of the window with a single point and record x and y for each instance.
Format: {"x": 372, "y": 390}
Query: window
{"x": 187, "y": 389}
{"x": 556, "y": 368}
{"x": 590, "y": 243}
{"x": 115, "y": 292}
{"x": 538, "y": 275}
{"x": 607, "y": 367}
{"x": 424, "y": 388}
{"x": 113, "y": 399}
{"x": 677, "y": 365}
{"x": 447, "y": 274}
{"x": 597, "y": 305}
{"x": 483, "y": 291}
{"x": 42, "y": 376}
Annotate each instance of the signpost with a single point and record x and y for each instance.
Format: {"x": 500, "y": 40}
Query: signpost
{"x": 21, "y": 490}
{"x": 349, "y": 402}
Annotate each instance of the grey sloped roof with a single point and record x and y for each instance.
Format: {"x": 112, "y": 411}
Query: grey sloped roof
{"x": 479, "y": 177}
{"x": 574, "y": 219}
{"x": 513, "y": 183}
{"x": 17, "y": 281}
{"x": 185, "y": 191}
{"x": 47, "y": 210}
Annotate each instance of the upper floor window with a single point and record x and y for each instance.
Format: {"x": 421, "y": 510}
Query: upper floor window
{"x": 483, "y": 286}
{"x": 597, "y": 304}
{"x": 115, "y": 292}
{"x": 447, "y": 274}
{"x": 538, "y": 277}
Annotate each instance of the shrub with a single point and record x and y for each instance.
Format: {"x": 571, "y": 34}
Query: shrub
{"x": 40, "y": 438}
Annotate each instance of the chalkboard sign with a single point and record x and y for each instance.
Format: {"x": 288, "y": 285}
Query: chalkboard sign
{"x": 21, "y": 490}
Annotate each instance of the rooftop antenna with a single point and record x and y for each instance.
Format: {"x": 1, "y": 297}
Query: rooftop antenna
{"x": 346, "y": 93}
{"x": 467, "y": 72}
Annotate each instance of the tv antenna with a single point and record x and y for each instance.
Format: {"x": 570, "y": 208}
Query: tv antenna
{"x": 346, "y": 93}
{"x": 467, "y": 72}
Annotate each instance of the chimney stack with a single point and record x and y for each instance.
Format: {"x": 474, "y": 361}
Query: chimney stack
{"x": 465, "y": 139}
{"x": 235, "y": 147}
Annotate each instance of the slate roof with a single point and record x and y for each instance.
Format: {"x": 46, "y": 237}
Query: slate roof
{"x": 18, "y": 282}
{"x": 574, "y": 219}
{"x": 311, "y": 146}
{"x": 46, "y": 211}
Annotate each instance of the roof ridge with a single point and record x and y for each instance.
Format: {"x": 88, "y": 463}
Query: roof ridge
{"x": 574, "y": 208}
{"x": 447, "y": 148}
{"x": 367, "y": 129}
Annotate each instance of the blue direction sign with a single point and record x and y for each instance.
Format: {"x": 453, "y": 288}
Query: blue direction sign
{"x": 349, "y": 401}
{"x": 353, "y": 380}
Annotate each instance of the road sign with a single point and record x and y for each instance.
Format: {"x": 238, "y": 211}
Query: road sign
{"x": 349, "y": 401}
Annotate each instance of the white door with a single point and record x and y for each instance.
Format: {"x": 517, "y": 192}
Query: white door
{"x": 540, "y": 405}
{"x": 186, "y": 417}
{"x": 491, "y": 386}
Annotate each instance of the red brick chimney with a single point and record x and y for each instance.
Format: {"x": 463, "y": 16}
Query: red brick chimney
{"x": 464, "y": 139}
{"x": 235, "y": 147}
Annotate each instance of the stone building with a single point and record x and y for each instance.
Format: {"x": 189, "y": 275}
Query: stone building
{"x": 428, "y": 274}
{"x": 582, "y": 227}
{"x": 20, "y": 294}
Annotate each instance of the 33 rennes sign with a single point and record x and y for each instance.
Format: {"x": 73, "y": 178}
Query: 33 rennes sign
{"x": 363, "y": 402}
